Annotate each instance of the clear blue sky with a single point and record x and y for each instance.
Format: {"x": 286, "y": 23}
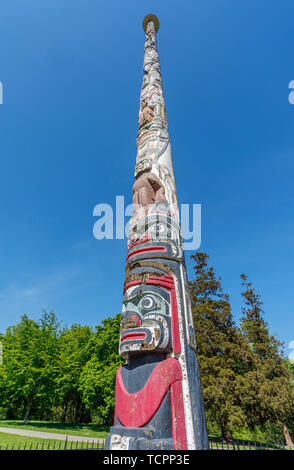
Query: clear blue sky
{"x": 71, "y": 72}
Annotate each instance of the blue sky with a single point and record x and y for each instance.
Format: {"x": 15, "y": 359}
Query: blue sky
{"x": 71, "y": 74}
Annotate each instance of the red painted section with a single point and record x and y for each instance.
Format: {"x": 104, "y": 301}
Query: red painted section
{"x": 146, "y": 238}
{"x": 136, "y": 410}
{"x": 131, "y": 284}
{"x": 175, "y": 323}
{"x": 178, "y": 417}
{"x": 136, "y": 319}
{"x": 159, "y": 283}
{"x": 146, "y": 250}
{"x": 166, "y": 277}
{"x": 132, "y": 336}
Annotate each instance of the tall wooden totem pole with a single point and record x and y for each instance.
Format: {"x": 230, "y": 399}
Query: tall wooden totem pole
{"x": 158, "y": 397}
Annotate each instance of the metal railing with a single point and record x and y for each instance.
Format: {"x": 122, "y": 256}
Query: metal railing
{"x": 51, "y": 444}
{"x": 87, "y": 444}
{"x": 238, "y": 444}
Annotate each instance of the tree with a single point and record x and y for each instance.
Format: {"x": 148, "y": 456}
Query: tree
{"x": 223, "y": 354}
{"x": 30, "y": 354}
{"x": 274, "y": 394}
{"x": 74, "y": 355}
{"x": 97, "y": 381}
{"x": 49, "y": 371}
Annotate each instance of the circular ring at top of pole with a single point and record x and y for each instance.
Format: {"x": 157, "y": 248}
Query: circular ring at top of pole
{"x": 151, "y": 18}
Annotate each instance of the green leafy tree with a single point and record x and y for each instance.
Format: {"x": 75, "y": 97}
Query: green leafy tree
{"x": 73, "y": 357}
{"x": 29, "y": 366}
{"x": 97, "y": 381}
{"x": 67, "y": 373}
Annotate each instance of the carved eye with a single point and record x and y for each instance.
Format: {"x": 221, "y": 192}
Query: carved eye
{"x": 148, "y": 303}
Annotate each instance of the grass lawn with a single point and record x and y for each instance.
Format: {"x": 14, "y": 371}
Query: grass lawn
{"x": 86, "y": 430}
{"x": 14, "y": 442}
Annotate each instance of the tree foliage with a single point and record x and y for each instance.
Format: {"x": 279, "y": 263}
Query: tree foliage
{"x": 49, "y": 372}
{"x": 274, "y": 394}
{"x": 97, "y": 381}
{"x": 223, "y": 354}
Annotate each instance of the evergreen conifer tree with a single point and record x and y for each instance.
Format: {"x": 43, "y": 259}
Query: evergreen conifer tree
{"x": 273, "y": 398}
{"x": 222, "y": 352}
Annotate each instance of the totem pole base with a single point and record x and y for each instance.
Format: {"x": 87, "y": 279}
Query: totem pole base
{"x": 121, "y": 438}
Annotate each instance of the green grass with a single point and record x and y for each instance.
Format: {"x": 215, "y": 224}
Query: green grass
{"x": 86, "y": 430}
{"x": 14, "y": 442}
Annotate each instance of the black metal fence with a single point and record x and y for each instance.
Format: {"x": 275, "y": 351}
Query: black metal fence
{"x": 51, "y": 444}
{"x": 214, "y": 444}
{"x": 238, "y": 444}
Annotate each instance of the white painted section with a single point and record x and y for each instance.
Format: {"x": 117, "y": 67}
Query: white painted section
{"x": 118, "y": 442}
{"x": 191, "y": 443}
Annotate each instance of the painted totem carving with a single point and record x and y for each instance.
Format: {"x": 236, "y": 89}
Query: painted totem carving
{"x": 158, "y": 398}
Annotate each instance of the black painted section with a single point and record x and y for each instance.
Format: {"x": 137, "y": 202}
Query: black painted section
{"x": 137, "y": 372}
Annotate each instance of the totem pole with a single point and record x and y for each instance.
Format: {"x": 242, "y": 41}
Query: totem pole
{"x": 158, "y": 396}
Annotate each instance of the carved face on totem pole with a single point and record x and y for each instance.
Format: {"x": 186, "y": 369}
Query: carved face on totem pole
{"x": 146, "y": 320}
{"x": 150, "y": 306}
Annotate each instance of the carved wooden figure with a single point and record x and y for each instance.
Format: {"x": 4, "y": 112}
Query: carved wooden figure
{"x": 158, "y": 397}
